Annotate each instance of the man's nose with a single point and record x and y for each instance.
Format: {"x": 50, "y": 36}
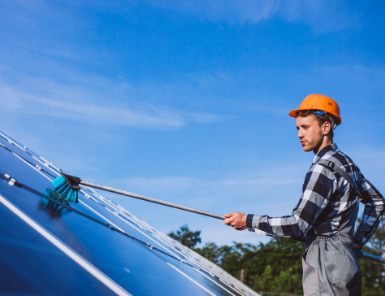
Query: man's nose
{"x": 300, "y": 134}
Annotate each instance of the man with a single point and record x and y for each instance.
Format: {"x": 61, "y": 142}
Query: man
{"x": 325, "y": 215}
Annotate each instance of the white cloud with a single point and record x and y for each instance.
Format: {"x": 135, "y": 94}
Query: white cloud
{"x": 94, "y": 101}
{"x": 321, "y": 15}
{"x": 181, "y": 187}
{"x": 270, "y": 182}
{"x": 244, "y": 10}
{"x": 366, "y": 76}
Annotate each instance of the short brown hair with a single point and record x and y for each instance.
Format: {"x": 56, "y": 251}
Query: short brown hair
{"x": 321, "y": 119}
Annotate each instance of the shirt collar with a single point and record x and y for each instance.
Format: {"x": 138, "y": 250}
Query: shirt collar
{"x": 323, "y": 151}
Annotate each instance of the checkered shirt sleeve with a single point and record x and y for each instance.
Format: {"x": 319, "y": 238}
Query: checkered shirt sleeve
{"x": 374, "y": 209}
{"x": 320, "y": 183}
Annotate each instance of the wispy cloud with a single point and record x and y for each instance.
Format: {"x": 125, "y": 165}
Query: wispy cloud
{"x": 319, "y": 14}
{"x": 174, "y": 184}
{"x": 207, "y": 192}
{"x": 91, "y": 103}
{"x": 244, "y": 11}
{"x": 365, "y": 76}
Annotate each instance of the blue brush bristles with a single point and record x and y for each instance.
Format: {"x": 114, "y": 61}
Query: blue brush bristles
{"x": 64, "y": 190}
{"x": 53, "y": 194}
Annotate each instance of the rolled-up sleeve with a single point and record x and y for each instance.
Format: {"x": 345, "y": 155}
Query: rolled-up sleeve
{"x": 373, "y": 212}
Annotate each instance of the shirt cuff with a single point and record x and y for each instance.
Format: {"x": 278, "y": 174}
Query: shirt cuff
{"x": 249, "y": 221}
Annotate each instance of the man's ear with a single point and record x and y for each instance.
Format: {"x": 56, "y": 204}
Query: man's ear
{"x": 327, "y": 127}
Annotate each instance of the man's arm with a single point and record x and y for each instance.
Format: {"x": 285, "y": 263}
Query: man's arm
{"x": 374, "y": 209}
{"x": 318, "y": 187}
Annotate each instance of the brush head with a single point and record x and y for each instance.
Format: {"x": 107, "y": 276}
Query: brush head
{"x": 67, "y": 190}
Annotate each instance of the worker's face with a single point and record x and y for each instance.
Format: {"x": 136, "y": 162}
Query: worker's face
{"x": 309, "y": 133}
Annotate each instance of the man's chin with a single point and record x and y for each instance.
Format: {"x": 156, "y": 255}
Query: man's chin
{"x": 306, "y": 149}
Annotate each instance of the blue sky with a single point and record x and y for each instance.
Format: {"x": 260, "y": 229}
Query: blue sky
{"x": 187, "y": 101}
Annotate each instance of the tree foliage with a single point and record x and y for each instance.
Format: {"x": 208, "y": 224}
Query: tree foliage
{"x": 186, "y": 237}
{"x": 276, "y": 266}
{"x": 373, "y": 273}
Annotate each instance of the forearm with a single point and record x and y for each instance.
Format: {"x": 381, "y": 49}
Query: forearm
{"x": 283, "y": 226}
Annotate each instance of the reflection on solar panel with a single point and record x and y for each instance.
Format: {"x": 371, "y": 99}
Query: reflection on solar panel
{"x": 94, "y": 247}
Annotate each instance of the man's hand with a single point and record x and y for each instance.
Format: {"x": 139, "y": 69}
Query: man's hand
{"x": 356, "y": 248}
{"x": 236, "y": 220}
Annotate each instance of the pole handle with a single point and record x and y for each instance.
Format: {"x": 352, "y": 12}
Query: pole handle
{"x": 370, "y": 257}
{"x": 153, "y": 200}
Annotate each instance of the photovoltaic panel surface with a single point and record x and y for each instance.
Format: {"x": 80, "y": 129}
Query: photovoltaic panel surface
{"x": 94, "y": 247}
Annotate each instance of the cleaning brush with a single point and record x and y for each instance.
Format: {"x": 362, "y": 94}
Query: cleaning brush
{"x": 68, "y": 186}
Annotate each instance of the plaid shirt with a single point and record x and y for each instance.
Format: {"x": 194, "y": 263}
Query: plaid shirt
{"x": 327, "y": 200}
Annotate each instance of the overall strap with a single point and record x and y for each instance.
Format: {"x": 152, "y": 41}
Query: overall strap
{"x": 335, "y": 169}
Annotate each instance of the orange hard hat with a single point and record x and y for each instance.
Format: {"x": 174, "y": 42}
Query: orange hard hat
{"x": 319, "y": 102}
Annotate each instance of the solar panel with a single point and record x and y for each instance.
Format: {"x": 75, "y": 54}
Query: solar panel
{"x": 94, "y": 247}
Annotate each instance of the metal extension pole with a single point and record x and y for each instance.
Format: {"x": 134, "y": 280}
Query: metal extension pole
{"x": 158, "y": 201}
{"x": 370, "y": 257}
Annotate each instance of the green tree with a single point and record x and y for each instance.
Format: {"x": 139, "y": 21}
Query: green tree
{"x": 377, "y": 242}
{"x": 186, "y": 237}
{"x": 373, "y": 273}
{"x": 211, "y": 252}
{"x": 273, "y": 267}
{"x": 277, "y": 266}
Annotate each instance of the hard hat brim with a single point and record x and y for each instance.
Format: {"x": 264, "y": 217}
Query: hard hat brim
{"x": 293, "y": 113}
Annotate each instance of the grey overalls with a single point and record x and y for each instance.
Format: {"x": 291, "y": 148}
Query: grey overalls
{"x": 329, "y": 264}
